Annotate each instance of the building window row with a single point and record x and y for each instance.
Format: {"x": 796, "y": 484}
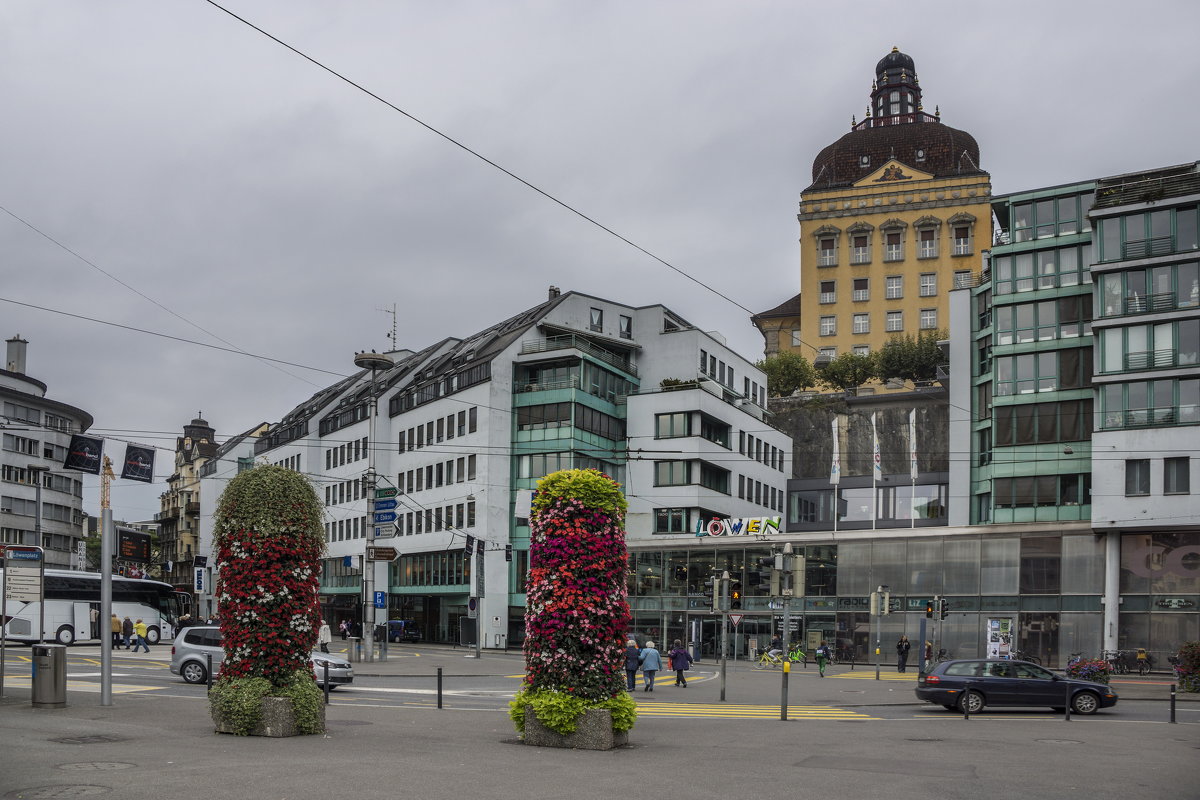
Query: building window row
{"x": 1041, "y": 423}
{"x": 1055, "y": 216}
{"x": 760, "y": 493}
{"x": 1176, "y": 476}
{"x": 1064, "y": 318}
{"x": 685, "y": 473}
{"x": 439, "y": 430}
{"x": 291, "y": 462}
{"x": 1041, "y": 491}
{"x": 681, "y": 520}
{"x": 1043, "y": 372}
{"x": 451, "y": 568}
{"x": 347, "y": 453}
{"x": 11, "y": 473}
{"x": 857, "y": 505}
{"x": 1149, "y": 233}
{"x": 1142, "y": 347}
{"x": 21, "y": 507}
{"x": 755, "y": 392}
{"x": 432, "y": 476}
{"x": 716, "y": 369}
{"x": 1137, "y": 404}
{"x": 751, "y": 446}
{"x": 1042, "y": 269}
{"x": 343, "y": 492}
{"x": 1142, "y": 291}
{"x": 927, "y": 233}
{"x": 345, "y": 529}
{"x": 457, "y": 516}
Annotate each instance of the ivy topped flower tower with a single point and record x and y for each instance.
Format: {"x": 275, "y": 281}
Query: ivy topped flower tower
{"x": 576, "y": 615}
{"x": 269, "y": 539}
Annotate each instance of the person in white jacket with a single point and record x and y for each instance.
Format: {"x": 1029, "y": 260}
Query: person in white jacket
{"x": 651, "y": 663}
{"x": 324, "y": 637}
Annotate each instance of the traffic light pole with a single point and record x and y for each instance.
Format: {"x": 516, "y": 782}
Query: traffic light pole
{"x": 723, "y": 593}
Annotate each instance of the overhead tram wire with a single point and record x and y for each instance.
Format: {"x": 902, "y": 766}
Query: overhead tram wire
{"x": 484, "y": 159}
{"x": 144, "y": 296}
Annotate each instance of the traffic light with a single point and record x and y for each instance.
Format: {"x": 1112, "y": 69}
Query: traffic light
{"x": 710, "y": 591}
{"x": 885, "y": 603}
{"x": 735, "y": 596}
{"x": 929, "y": 608}
{"x": 508, "y": 552}
{"x": 943, "y": 608}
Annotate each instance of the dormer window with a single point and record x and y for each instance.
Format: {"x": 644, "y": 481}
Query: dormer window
{"x": 864, "y": 161}
{"x": 920, "y": 154}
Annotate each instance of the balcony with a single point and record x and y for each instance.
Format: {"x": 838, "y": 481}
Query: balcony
{"x": 192, "y": 508}
{"x": 1142, "y": 304}
{"x": 580, "y": 343}
{"x": 1152, "y": 359}
{"x": 1145, "y": 248}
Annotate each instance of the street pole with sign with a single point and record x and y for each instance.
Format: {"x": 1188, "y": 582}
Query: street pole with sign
{"x": 24, "y": 582}
{"x": 374, "y": 362}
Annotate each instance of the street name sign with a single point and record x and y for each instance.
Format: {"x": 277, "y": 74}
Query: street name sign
{"x": 385, "y": 516}
{"x": 375, "y": 553}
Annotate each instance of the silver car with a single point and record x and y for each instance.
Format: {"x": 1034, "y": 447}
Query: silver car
{"x": 194, "y": 646}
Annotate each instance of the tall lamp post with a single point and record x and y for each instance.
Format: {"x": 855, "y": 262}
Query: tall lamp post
{"x": 35, "y": 473}
{"x": 374, "y": 362}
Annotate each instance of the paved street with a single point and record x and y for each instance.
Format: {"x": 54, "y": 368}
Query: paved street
{"x": 847, "y": 734}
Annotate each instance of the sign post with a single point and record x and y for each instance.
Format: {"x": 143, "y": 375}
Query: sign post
{"x": 24, "y": 582}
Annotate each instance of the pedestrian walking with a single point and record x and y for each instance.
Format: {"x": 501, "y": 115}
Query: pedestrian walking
{"x": 344, "y": 628}
{"x": 823, "y": 656}
{"x": 902, "y": 648}
{"x": 127, "y": 630}
{"x": 632, "y": 662}
{"x": 928, "y": 656}
{"x": 324, "y": 637}
{"x": 139, "y": 636}
{"x": 115, "y": 626}
{"x": 681, "y": 660}
{"x": 94, "y": 616}
{"x": 651, "y": 663}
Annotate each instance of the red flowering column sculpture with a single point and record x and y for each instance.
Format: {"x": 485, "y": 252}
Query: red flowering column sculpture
{"x": 268, "y": 538}
{"x": 576, "y": 615}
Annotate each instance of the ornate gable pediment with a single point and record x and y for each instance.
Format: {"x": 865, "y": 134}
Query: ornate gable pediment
{"x": 894, "y": 172}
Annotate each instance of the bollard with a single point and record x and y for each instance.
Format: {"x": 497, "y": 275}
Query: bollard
{"x": 1068, "y": 712}
{"x": 966, "y": 702}
{"x": 1172, "y": 704}
{"x": 439, "y": 687}
{"x": 325, "y": 670}
{"x": 783, "y": 703}
{"x": 208, "y": 658}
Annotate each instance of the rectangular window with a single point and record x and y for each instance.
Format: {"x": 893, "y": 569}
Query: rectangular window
{"x": 893, "y": 249}
{"x": 827, "y": 252}
{"x": 927, "y": 240}
{"x": 626, "y": 327}
{"x": 1137, "y": 477}
{"x": 862, "y": 349}
{"x": 1176, "y": 475}
{"x": 450, "y": 427}
{"x": 796, "y": 340}
{"x": 597, "y": 319}
{"x": 862, "y": 250}
{"x": 472, "y": 419}
{"x": 829, "y": 326}
{"x": 669, "y": 426}
{"x": 672, "y": 473}
{"x": 862, "y": 323}
{"x": 928, "y": 284}
{"x": 963, "y": 244}
{"x": 441, "y": 429}
{"x": 862, "y": 289}
{"x": 828, "y": 291}
{"x": 671, "y": 520}
{"x": 928, "y": 319}
{"x": 894, "y": 288}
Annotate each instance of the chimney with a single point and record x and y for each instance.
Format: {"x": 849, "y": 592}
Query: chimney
{"x": 14, "y": 361}
{"x": 554, "y": 292}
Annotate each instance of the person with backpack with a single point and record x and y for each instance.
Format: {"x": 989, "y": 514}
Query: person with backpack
{"x": 823, "y": 657}
{"x": 680, "y": 660}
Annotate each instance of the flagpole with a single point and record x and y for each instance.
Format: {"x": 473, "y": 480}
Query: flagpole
{"x": 835, "y": 471}
{"x": 874, "y": 472}
{"x": 912, "y": 463}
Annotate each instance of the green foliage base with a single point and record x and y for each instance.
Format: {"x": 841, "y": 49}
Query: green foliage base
{"x": 239, "y": 701}
{"x": 1187, "y": 671}
{"x": 559, "y": 711}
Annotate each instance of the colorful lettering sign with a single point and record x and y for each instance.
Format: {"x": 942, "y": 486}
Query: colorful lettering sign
{"x": 744, "y": 526}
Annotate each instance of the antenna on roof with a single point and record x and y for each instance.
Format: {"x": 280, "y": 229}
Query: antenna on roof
{"x": 392, "y": 335}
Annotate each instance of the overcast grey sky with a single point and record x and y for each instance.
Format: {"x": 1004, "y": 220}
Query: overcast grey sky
{"x": 256, "y": 195}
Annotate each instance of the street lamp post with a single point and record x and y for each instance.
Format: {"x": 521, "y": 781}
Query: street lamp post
{"x": 374, "y": 362}
{"x": 35, "y": 471}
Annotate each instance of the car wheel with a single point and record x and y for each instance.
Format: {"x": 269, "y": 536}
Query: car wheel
{"x": 193, "y": 672}
{"x": 65, "y": 635}
{"x": 972, "y": 702}
{"x": 1085, "y": 703}
{"x": 152, "y": 635}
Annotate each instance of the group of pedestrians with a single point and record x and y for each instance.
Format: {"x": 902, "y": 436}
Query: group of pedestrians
{"x": 126, "y": 633}
{"x": 649, "y": 661}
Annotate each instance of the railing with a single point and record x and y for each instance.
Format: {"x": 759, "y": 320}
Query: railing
{"x": 827, "y": 258}
{"x": 1148, "y": 189}
{"x": 1144, "y": 248}
{"x": 895, "y": 119}
{"x": 1152, "y": 359}
{"x": 963, "y": 247}
{"x": 1160, "y": 301}
{"x": 547, "y": 386}
{"x": 1141, "y": 418}
{"x": 573, "y": 342}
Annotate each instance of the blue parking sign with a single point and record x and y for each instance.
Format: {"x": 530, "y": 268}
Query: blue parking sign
{"x": 381, "y": 599}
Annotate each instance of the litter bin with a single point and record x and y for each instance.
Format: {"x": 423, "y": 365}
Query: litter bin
{"x": 49, "y": 676}
{"x": 354, "y": 653}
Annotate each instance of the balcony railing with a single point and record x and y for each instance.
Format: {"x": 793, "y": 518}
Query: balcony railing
{"x": 1144, "y": 248}
{"x": 1152, "y": 359}
{"x": 546, "y": 386}
{"x": 573, "y": 342}
{"x": 1151, "y": 417}
{"x": 1141, "y": 304}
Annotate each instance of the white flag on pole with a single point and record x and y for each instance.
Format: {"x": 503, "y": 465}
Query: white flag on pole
{"x": 877, "y": 464}
{"x": 912, "y": 444}
{"x": 835, "y": 468}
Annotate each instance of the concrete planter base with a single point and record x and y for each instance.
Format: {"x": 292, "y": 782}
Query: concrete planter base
{"x": 593, "y": 731}
{"x": 277, "y": 720}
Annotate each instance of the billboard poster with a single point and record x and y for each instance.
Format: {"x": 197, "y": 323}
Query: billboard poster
{"x": 139, "y": 463}
{"x": 999, "y": 637}
{"x": 84, "y": 454}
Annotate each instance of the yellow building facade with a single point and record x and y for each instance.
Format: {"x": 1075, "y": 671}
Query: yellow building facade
{"x": 897, "y": 213}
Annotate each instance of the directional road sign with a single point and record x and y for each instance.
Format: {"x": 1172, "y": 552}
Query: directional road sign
{"x": 384, "y": 505}
{"x": 376, "y": 553}
{"x": 736, "y": 619}
{"x": 385, "y": 516}
{"x": 390, "y": 491}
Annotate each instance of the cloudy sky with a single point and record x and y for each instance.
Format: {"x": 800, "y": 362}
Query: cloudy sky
{"x": 165, "y": 167}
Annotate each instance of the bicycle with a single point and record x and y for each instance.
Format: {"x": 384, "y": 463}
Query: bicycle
{"x": 797, "y": 655}
{"x": 767, "y": 660}
{"x": 1020, "y": 655}
{"x": 1118, "y": 662}
{"x": 1145, "y": 662}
